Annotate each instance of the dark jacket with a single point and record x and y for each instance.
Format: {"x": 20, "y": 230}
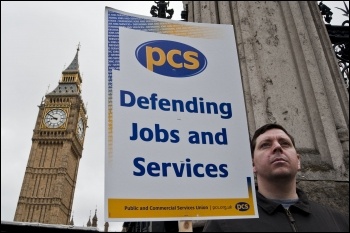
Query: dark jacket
{"x": 305, "y": 215}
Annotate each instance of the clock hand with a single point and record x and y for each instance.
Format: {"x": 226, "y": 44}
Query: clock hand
{"x": 52, "y": 116}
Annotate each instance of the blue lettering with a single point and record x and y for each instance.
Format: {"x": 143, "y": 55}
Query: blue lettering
{"x": 208, "y": 137}
{"x": 142, "y": 102}
{"x": 123, "y": 100}
{"x": 139, "y": 166}
{"x": 196, "y": 105}
{"x": 222, "y": 168}
{"x": 195, "y": 170}
{"x": 211, "y": 170}
{"x": 182, "y": 169}
{"x": 161, "y": 135}
{"x": 178, "y": 171}
{"x": 152, "y": 167}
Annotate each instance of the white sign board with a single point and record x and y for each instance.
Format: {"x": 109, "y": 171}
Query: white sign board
{"x": 177, "y": 142}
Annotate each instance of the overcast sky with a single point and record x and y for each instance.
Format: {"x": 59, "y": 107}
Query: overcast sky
{"x": 38, "y": 41}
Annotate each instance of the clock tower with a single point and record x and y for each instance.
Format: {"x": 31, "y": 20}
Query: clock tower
{"x": 57, "y": 144}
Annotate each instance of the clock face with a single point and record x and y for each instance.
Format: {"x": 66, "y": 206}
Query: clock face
{"x": 80, "y": 128}
{"x": 55, "y": 118}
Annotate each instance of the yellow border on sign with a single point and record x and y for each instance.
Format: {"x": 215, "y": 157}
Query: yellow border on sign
{"x": 167, "y": 208}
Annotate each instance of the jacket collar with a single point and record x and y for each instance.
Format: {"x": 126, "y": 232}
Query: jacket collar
{"x": 270, "y": 206}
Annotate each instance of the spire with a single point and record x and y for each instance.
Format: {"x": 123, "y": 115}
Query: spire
{"x": 71, "y": 221}
{"x": 94, "y": 219}
{"x": 70, "y": 83}
{"x": 89, "y": 222}
{"x": 74, "y": 65}
{"x": 106, "y": 226}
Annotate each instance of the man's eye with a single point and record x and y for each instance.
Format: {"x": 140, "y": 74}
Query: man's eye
{"x": 285, "y": 144}
{"x": 264, "y": 145}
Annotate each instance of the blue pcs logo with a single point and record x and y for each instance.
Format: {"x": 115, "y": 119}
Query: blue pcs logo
{"x": 171, "y": 58}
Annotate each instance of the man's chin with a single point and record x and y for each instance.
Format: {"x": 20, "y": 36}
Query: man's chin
{"x": 282, "y": 174}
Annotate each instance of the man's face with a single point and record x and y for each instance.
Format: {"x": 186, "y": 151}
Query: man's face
{"x": 275, "y": 156}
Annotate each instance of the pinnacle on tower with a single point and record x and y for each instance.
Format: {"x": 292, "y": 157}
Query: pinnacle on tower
{"x": 89, "y": 222}
{"x": 94, "y": 219}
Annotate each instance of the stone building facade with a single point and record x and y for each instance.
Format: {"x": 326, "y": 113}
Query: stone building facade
{"x": 291, "y": 77}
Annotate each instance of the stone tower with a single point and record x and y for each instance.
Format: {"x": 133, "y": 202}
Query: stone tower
{"x": 57, "y": 144}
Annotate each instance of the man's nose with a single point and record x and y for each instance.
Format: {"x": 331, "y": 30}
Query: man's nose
{"x": 276, "y": 146}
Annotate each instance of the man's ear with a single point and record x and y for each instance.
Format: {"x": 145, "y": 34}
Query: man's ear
{"x": 299, "y": 165}
{"x": 254, "y": 169}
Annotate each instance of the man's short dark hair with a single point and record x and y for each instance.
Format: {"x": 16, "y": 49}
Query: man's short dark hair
{"x": 265, "y": 128}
